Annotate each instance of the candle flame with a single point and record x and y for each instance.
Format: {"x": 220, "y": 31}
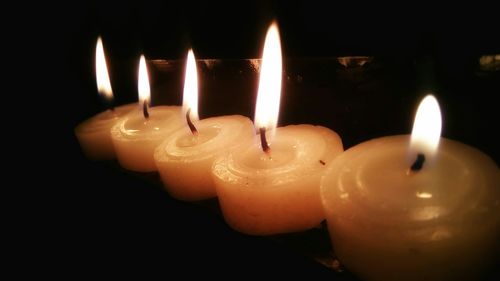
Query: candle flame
{"x": 268, "y": 95}
{"x": 101, "y": 71}
{"x": 190, "y": 95}
{"x": 426, "y": 127}
{"x": 143, "y": 85}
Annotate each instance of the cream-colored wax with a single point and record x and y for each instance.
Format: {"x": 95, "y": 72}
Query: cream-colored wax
{"x": 273, "y": 193}
{"x": 135, "y": 137}
{"x": 94, "y": 134}
{"x": 439, "y": 223}
{"x": 185, "y": 160}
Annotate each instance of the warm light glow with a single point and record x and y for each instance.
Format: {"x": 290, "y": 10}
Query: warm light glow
{"x": 268, "y": 95}
{"x": 426, "y": 213}
{"x": 424, "y": 195}
{"x": 144, "y": 91}
{"x": 101, "y": 72}
{"x": 426, "y": 127}
{"x": 190, "y": 96}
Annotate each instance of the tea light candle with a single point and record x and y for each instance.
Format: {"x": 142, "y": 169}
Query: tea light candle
{"x": 273, "y": 187}
{"x": 94, "y": 134}
{"x": 136, "y": 135}
{"x": 184, "y": 160}
{"x": 414, "y": 208}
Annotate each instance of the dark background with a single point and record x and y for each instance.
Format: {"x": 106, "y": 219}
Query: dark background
{"x": 418, "y": 49}
{"x": 110, "y": 222}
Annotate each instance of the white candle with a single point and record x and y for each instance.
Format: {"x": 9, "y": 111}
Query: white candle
{"x": 184, "y": 160}
{"x": 265, "y": 194}
{"x": 136, "y": 135}
{"x": 273, "y": 187}
{"x": 392, "y": 217}
{"x": 93, "y": 134}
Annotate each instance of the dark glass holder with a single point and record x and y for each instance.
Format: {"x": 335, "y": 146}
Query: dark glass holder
{"x": 358, "y": 97}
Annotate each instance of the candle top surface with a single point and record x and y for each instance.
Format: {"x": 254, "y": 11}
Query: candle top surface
{"x": 373, "y": 178}
{"x": 295, "y": 153}
{"x": 104, "y": 120}
{"x": 161, "y": 120}
{"x": 215, "y": 135}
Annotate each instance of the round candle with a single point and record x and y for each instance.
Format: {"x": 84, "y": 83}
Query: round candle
{"x": 273, "y": 193}
{"x": 433, "y": 218}
{"x": 273, "y": 187}
{"x": 184, "y": 160}
{"x": 93, "y": 134}
{"x": 136, "y": 135}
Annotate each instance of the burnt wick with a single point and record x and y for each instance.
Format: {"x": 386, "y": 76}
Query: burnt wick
{"x": 145, "y": 109}
{"x": 190, "y": 123}
{"x": 108, "y": 102}
{"x": 322, "y": 162}
{"x": 263, "y": 141}
{"x": 419, "y": 163}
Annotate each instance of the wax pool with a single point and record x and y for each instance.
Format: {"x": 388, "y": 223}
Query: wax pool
{"x": 273, "y": 193}
{"x": 439, "y": 223}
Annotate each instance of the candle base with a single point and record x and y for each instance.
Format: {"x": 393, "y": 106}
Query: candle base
{"x": 378, "y": 258}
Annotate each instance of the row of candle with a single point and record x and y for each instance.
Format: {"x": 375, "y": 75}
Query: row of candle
{"x": 420, "y": 204}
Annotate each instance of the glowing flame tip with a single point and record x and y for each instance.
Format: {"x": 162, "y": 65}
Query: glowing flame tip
{"x": 190, "y": 95}
{"x": 143, "y": 84}
{"x": 269, "y": 92}
{"x": 427, "y": 126}
{"x": 101, "y": 70}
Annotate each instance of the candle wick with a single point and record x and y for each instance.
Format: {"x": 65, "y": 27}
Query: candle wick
{"x": 263, "y": 141}
{"x": 145, "y": 109}
{"x": 190, "y": 123}
{"x": 108, "y": 102}
{"x": 419, "y": 163}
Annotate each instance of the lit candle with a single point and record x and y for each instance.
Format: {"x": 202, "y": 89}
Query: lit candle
{"x": 93, "y": 134}
{"x": 185, "y": 158}
{"x": 136, "y": 135}
{"x": 414, "y": 208}
{"x": 270, "y": 184}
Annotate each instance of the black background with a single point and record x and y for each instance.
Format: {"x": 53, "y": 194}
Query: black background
{"x": 104, "y": 221}
{"x": 419, "y": 49}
